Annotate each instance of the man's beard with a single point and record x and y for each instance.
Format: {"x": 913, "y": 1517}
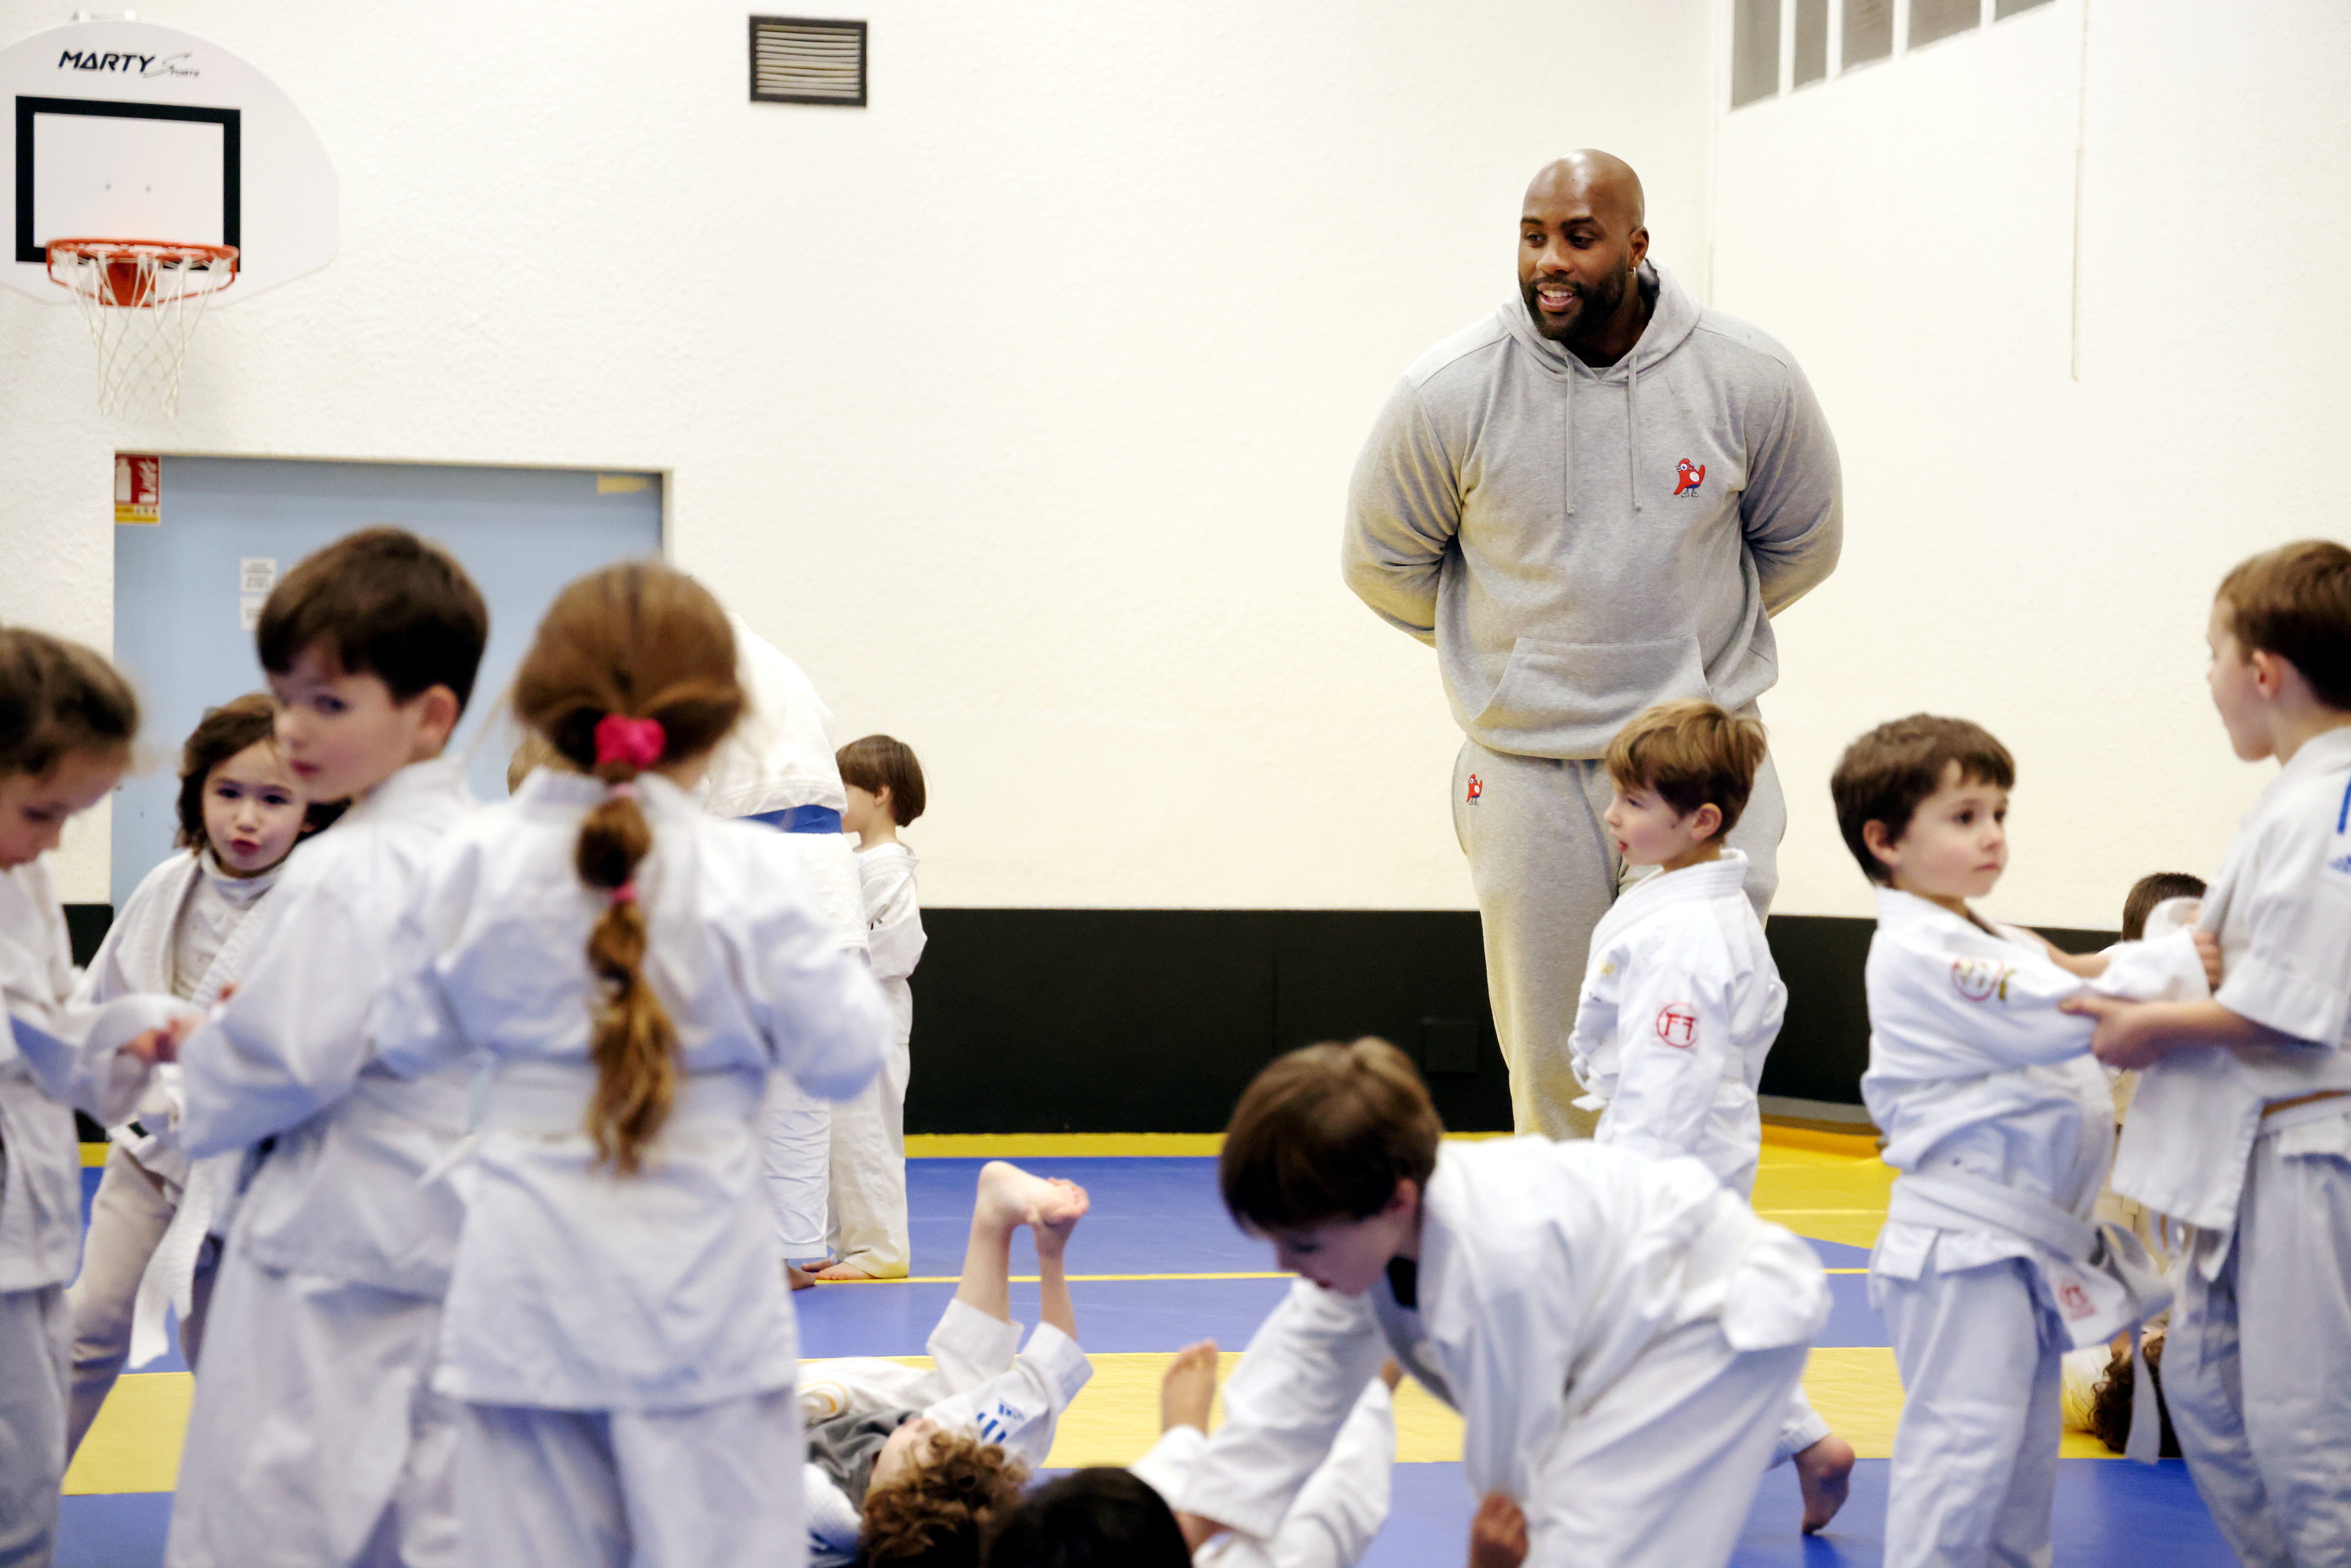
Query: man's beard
{"x": 1599, "y": 304}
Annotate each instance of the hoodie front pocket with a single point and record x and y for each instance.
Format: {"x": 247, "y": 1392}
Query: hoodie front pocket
{"x": 1569, "y": 699}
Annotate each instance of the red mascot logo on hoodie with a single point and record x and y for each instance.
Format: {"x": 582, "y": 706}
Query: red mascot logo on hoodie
{"x": 1692, "y": 476}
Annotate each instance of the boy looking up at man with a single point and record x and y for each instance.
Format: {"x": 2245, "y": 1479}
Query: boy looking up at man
{"x": 1990, "y": 1266}
{"x": 319, "y": 1439}
{"x": 1681, "y": 1001}
{"x": 2241, "y": 1126}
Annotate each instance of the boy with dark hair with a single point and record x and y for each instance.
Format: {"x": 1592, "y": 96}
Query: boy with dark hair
{"x": 1989, "y": 1265}
{"x": 1621, "y": 1334}
{"x": 2241, "y": 1126}
{"x": 1681, "y": 1001}
{"x": 317, "y": 1438}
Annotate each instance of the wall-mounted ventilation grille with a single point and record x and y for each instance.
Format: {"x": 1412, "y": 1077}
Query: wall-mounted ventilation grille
{"x": 1860, "y": 31}
{"x": 801, "y": 59}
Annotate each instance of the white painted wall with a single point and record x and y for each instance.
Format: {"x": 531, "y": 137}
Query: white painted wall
{"x": 2025, "y": 547}
{"x": 1019, "y": 407}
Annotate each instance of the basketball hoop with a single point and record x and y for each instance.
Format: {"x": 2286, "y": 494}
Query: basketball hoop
{"x": 142, "y": 299}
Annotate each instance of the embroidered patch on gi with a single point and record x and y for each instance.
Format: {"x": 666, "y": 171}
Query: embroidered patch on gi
{"x": 1980, "y": 979}
{"x": 1477, "y": 787}
{"x": 1691, "y": 476}
{"x": 2073, "y": 1300}
{"x": 1678, "y": 1024}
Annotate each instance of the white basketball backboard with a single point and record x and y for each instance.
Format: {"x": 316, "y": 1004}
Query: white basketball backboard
{"x": 124, "y": 131}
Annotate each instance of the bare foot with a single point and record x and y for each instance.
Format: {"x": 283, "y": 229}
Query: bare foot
{"x": 1825, "y": 1472}
{"x": 845, "y": 1273}
{"x": 1187, "y": 1389}
{"x": 1053, "y": 1219}
{"x": 1391, "y": 1373}
{"x": 1009, "y": 1196}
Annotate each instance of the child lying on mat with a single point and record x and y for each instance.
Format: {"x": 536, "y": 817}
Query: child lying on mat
{"x": 912, "y": 1464}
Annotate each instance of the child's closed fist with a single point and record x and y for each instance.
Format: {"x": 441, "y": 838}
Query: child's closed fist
{"x": 1498, "y": 1536}
{"x": 2208, "y": 948}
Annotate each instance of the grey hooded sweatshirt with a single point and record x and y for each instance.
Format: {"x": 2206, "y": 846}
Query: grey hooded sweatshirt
{"x": 1580, "y": 543}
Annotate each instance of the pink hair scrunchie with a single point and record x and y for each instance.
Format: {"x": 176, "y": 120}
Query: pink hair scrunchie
{"x": 636, "y": 742}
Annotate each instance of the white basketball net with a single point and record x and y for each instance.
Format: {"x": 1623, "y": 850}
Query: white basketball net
{"x": 141, "y": 300}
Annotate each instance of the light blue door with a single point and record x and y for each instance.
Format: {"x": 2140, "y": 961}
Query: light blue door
{"x": 180, "y": 587}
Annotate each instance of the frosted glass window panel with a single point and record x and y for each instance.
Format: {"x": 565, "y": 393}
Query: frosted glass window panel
{"x": 2010, "y": 7}
{"x": 1812, "y": 40}
{"x": 1869, "y": 31}
{"x": 1754, "y": 50}
{"x": 1933, "y": 19}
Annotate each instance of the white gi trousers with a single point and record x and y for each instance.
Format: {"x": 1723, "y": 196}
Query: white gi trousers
{"x": 326, "y": 1445}
{"x": 869, "y": 1170}
{"x": 36, "y": 1350}
{"x": 716, "y": 1485}
{"x": 128, "y": 1219}
{"x": 1545, "y": 870}
{"x": 2257, "y": 1366}
{"x": 795, "y": 1157}
{"x": 1661, "y": 1469}
{"x": 1337, "y": 1513}
{"x": 1975, "y": 1456}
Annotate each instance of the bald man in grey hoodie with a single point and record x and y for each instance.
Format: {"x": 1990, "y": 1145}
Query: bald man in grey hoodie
{"x": 1593, "y": 501}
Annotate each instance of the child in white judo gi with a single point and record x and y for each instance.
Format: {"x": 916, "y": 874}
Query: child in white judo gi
{"x": 241, "y": 814}
{"x": 1105, "y": 1515}
{"x": 778, "y": 769}
{"x": 317, "y": 1438}
{"x": 2241, "y": 1126}
{"x": 914, "y": 1465}
{"x": 67, "y": 724}
{"x": 1990, "y": 1266}
{"x": 885, "y": 786}
{"x": 1620, "y": 1334}
{"x": 1681, "y": 1001}
{"x": 628, "y": 970}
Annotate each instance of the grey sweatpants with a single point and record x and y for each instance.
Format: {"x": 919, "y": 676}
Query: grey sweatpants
{"x": 1546, "y": 871}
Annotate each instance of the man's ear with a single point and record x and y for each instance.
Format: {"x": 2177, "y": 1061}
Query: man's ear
{"x": 1879, "y": 843}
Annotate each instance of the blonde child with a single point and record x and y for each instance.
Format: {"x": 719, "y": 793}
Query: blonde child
{"x": 1681, "y": 1001}
{"x": 2241, "y": 1126}
{"x": 885, "y": 786}
{"x": 67, "y": 723}
{"x": 1989, "y": 1266}
{"x": 183, "y": 933}
{"x": 326, "y": 1445}
{"x": 632, "y": 970}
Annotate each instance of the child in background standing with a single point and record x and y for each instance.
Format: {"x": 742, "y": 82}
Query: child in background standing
{"x": 325, "y": 1445}
{"x": 884, "y": 784}
{"x": 2242, "y": 1127}
{"x": 240, "y": 815}
{"x": 633, "y": 969}
{"x": 67, "y": 723}
{"x": 1681, "y": 1001}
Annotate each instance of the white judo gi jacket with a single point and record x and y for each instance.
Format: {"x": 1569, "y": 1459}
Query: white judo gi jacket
{"x": 57, "y": 1058}
{"x": 1681, "y": 1003}
{"x": 2281, "y": 910}
{"x": 2000, "y": 1121}
{"x": 139, "y": 956}
{"x": 340, "y": 1195}
{"x": 1545, "y": 1271}
{"x": 575, "y": 1288}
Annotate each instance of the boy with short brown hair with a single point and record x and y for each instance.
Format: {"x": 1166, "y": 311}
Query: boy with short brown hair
{"x": 1621, "y": 1334}
{"x": 1681, "y": 1001}
{"x": 2241, "y": 1125}
{"x": 320, "y": 1438}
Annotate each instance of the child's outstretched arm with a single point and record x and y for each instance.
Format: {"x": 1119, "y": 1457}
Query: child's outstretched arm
{"x": 2141, "y": 1034}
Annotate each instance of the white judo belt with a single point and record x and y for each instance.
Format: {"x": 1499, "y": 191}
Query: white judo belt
{"x": 2100, "y": 1278}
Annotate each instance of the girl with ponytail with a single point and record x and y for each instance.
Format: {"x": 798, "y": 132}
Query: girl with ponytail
{"x": 617, "y": 1327}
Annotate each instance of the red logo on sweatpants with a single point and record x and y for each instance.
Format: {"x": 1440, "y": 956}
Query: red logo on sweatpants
{"x": 1692, "y": 476}
{"x": 1476, "y": 787}
{"x": 1678, "y": 1024}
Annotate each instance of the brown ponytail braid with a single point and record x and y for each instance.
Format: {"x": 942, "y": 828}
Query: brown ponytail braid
{"x": 640, "y": 641}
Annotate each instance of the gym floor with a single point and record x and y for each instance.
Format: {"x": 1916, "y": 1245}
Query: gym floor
{"x": 1157, "y": 1265}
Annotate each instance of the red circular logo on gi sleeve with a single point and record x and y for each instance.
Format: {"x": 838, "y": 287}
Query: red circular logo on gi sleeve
{"x": 1678, "y": 1024}
{"x": 1978, "y": 979}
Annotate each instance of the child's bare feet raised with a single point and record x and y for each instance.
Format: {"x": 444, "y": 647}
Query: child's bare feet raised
{"x": 1824, "y": 1470}
{"x": 1187, "y": 1389}
{"x": 1011, "y": 1197}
